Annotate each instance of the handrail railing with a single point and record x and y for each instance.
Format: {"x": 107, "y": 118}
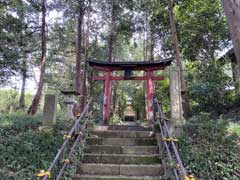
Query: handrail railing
{"x": 77, "y": 131}
{"x": 169, "y": 145}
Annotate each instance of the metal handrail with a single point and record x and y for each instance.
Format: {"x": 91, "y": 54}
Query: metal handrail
{"x": 170, "y": 146}
{"x": 75, "y": 130}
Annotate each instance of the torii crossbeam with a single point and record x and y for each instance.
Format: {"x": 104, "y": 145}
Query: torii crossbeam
{"x": 147, "y": 66}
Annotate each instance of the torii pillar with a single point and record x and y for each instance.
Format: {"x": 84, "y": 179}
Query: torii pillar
{"x": 107, "y": 97}
{"x": 149, "y": 104}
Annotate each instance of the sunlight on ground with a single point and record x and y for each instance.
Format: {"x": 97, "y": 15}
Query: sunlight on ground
{"x": 234, "y": 128}
{"x": 5, "y": 123}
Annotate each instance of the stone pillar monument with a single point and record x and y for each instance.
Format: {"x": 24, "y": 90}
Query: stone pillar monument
{"x": 70, "y": 101}
{"x": 50, "y": 110}
{"x": 176, "y": 102}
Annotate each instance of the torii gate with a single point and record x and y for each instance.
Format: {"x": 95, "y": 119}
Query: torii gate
{"x": 109, "y": 67}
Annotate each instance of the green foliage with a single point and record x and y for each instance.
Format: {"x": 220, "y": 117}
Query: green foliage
{"x": 24, "y": 149}
{"x": 8, "y": 30}
{"x": 202, "y": 28}
{"x": 18, "y": 122}
{"x": 72, "y": 168}
{"x": 208, "y": 150}
{"x": 234, "y": 128}
{"x": 208, "y": 85}
{"x": 162, "y": 92}
{"x": 138, "y": 102}
{"x": 9, "y": 100}
{"x": 17, "y": 38}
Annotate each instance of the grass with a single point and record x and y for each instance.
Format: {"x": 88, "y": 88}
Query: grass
{"x": 24, "y": 149}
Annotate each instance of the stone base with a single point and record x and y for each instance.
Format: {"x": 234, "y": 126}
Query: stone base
{"x": 176, "y": 127}
{"x": 90, "y": 125}
{"x": 47, "y": 129}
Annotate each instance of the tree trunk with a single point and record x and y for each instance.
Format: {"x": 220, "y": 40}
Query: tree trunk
{"x": 112, "y": 36}
{"x": 145, "y": 39}
{"x": 91, "y": 74}
{"x": 84, "y": 80}
{"x": 232, "y": 11}
{"x": 24, "y": 64}
{"x": 24, "y": 78}
{"x": 185, "y": 100}
{"x": 152, "y": 45}
{"x": 234, "y": 67}
{"x": 114, "y": 95}
{"x": 110, "y": 48}
{"x": 33, "y": 108}
{"x": 79, "y": 49}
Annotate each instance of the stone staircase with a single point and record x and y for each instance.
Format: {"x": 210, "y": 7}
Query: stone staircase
{"x": 120, "y": 153}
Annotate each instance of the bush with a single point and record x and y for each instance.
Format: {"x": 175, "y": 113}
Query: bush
{"x": 209, "y": 150}
{"x": 24, "y": 150}
{"x": 9, "y": 100}
{"x": 208, "y": 87}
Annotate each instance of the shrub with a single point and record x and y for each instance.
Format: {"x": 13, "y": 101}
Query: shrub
{"x": 9, "y": 100}
{"x": 24, "y": 150}
{"x": 208, "y": 149}
{"x": 208, "y": 87}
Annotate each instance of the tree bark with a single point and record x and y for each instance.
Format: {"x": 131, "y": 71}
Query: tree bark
{"x": 24, "y": 64}
{"x": 152, "y": 45}
{"x": 145, "y": 38}
{"x": 33, "y": 108}
{"x": 84, "y": 80}
{"x": 185, "y": 100}
{"x": 79, "y": 49}
{"x": 112, "y": 36}
{"x": 24, "y": 78}
{"x": 114, "y": 95}
{"x": 232, "y": 11}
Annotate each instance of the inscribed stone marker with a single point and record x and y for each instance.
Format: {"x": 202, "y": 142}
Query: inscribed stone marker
{"x": 50, "y": 110}
{"x": 176, "y": 101}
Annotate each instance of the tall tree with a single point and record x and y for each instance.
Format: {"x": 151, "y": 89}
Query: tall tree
{"x": 185, "y": 103}
{"x": 112, "y": 36}
{"x": 80, "y": 16}
{"x": 10, "y": 30}
{"x": 24, "y": 79}
{"x": 86, "y": 48}
{"x": 24, "y": 61}
{"x": 202, "y": 29}
{"x": 34, "y": 106}
{"x": 232, "y": 11}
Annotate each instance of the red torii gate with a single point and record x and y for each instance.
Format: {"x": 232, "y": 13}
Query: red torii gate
{"x": 147, "y": 66}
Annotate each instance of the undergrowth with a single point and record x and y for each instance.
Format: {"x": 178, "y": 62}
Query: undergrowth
{"x": 25, "y": 149}
{"x": 210, "y": 150}
{"x": 210, "y": 147}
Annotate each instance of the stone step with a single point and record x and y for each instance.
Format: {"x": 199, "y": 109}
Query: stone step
{"x": 121, "y": 159}
{"x": 93, "y": 177}
{"x": 123, "y": 128}
{"x": 122, "y": 134}
{"x": 122, "y": 141}
{"x": 122, "y": 169}
{"x": 104, "y": 149}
